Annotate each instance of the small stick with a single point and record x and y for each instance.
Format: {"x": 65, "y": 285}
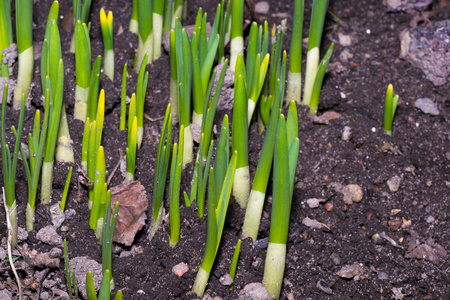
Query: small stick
{"x": 153, "y": 120}
{"x": 40, "y": 283}
{"x": 115, "y": 168}
{"x": 8, "y": 223}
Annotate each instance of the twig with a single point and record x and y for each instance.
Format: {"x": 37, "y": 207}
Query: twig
{"x": 40, "y": 283}
{"x": 153, "y": 120}
{"x": 115, "y": 168}
{"x": 8, "y": 223}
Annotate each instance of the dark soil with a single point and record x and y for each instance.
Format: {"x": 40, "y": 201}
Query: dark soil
{"x": 355, "y": 88}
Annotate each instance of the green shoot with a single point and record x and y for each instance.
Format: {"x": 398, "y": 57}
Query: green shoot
{"x": 131, "y": 151}
{"x": 105, "y": 287}
{"x": 106, "y": 23}
{"x": 175, "y": 181}
{"x": 109, "y": 226}
{"x": 98, "y": 192}
{"x": 9, "y": 165}
{"x": 158, "y": 12}
{"x": 235, "y": 259}
{"x": 237, "y": 25}
{"x": 81, "y": 10}
{"x": 162, "y": 166}
{"x": 294, "y": 88}
{"x": 6, "y": 38}
{"x": 173, "y": 73}
{"x": 281, "y": 208}
{"x": 94, "y": 85}
{"x": 241, "y": 186}
{"x": 134, "y": 27}
{"x": 123, "y": 99}
{"x": 141, "y": 89}
{"x": 314, "y": 102}
{"x": 222, "y": 156}
{"x": 66, "y": 190}
{"x": 178, "y": 6}
{"x": 24, "y": 36}
{"x": 82, "y": 69}
{"x": 390, "y": 106}
{"x": 145, "y": 24}
{"x": 217, "y": 211}
{"x": 71, "y": 282}
{"x": 318, "y": 14}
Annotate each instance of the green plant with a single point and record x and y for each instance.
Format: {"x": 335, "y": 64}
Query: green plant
{"x": 217, "y": 211}
{"x": 70, "y": 280}
{"x": 131, "y": 150}
{"x": 173, "y": 73}
{"x": 106, "y": 23}
{"x": 258, "y": 193}
{"x": 318, "y": 14}
{"x": 66, "y": 190}
{"x": 145, "y": 36}
{"x": 237, "y": 25}
{"x": 174, "y": 190}
{"x": 6, "y": 38}
{"x": 178, "y": 6}
{"x": 9, "y": 166}
{"x": 203, "y": 54}
{"x": 285, "y": 162}
{"x": 162, "y": 166}
{"x": 141, "y": 89}
{"x": 390, "y": 106}
{"x": 24, "y": 36}
{"x": 109, "y": 225}
{"x": 82, "y": 69}
{"x": 235, "y": 259}
{"x": 294, "y": 88}
{"x": 123, "y": 99}
{"x": 314, "y": 102}
{"x": 99, "y": 194}
{"x": 183, "y": 55}
{"x": 158, "y": 12}
{"x": 81, "y": 10}
{"x": 134, "y": 27}
{"x": 241, "y": 186}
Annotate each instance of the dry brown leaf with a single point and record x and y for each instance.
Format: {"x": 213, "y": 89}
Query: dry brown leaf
{"x": 132, "y": 208}
{"x": 325, "y": 118}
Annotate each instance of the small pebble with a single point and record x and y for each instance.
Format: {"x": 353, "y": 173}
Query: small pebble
{"x": 349, "y": 271}
{"x": 394, "y": 183}
{"x": 262, "y": 7}
{"x": 347, "y": 133}
{"x": 344, "y": 39}
{"x": 49, "y": 236}
{"x": 180, "y": 269}
{"x": 314, "y": 202}
{"x": 394, "y": 225}
{"x": 377, "y": 239}
{"x": 427, "y": 106}
{"x": 395, "y": 211}
{"x": 335, "y": 258}
{"x": 324, "y": 287}
{"x": 226, "y": 280}
{"x": 355, "y": 193}
{"x": 383, "y": 276}
{"x": 430, "y": 219}
{"x": 329, "y": 206}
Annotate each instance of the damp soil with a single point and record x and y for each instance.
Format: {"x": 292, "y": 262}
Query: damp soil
{"x": 355, "y": 88}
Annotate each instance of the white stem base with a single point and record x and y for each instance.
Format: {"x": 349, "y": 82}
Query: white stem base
{"x": 64, "y": 149}
{"x": 12, "y": 210}
{"x": 251, "y": 109}
{"x": 99, "y": 229}
{"x": 143, "y": 48}
{"x": 156, "y": 223}
{"x": 274, "y": 269}
{"x": 294, "y": 90}
{"x": 80, "y": 110}
{"x": 312, "y": 65}
{"x": 200, "y": 282}
{"x": 108, "y": 65}
{"x": 188, "y": 146}
{"x": 253, "y": 214}
{"x": 129, "y": 176}
{"x": 157, "y": 36}
{"x": 24, "y": 76}
{"x": 237, "y": 47}
{"x": 178, "y": 13}
{"x": 197, "y": 118}
{"x": 134, "y": 26}
{"x": 30, "y": 218}
{"x": 140, "y": 135}
{"x": 241, "y": 185}
{"x": 46, "y": 182}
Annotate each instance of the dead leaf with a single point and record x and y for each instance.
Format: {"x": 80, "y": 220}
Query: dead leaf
{"x": 325, "y": 118}
{"x": 132, "y": 208}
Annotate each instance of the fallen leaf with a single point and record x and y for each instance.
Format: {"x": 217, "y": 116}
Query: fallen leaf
{"x": 133, "y": 205}
{"x": 325, "y": 118}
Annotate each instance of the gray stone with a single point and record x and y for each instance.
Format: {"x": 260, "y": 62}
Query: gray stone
{"x": 22, "y": 234}
{"x": 405, "y": 5}
{"x": 5, "y": 295}
{"x": 226, "y": 280}
{"x": 81, "y": 265}
{"x": 344, "y": 39}
{"x": 430, "y": 219}
{"x": 346, "y": 134}
{"x": 57, "y": 215}
{"x": 49, "y": 236}
{"x": 427, "y": 106}
{"x": 383, "y": 276}
{"x": 394, "y": 183}
{"x": 349, "y": 271}
{"x": 254, "y": 290}
{"x": 314, "y": 202}
{"x": 262, "y": 7}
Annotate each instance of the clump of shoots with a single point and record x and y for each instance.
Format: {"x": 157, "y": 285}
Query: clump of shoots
{"x": 24, "y": 33}
{"x": 106, "y": 22}
{"x": 81, "y": 11}
{"x": 217, "y": 211}
{"x": 318, "y": 14}
{"x": 9, "y": 166}
{"x": 314, "y": 102}
{"x": 162, "y": 166}
{"x": 390, "y": 106}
